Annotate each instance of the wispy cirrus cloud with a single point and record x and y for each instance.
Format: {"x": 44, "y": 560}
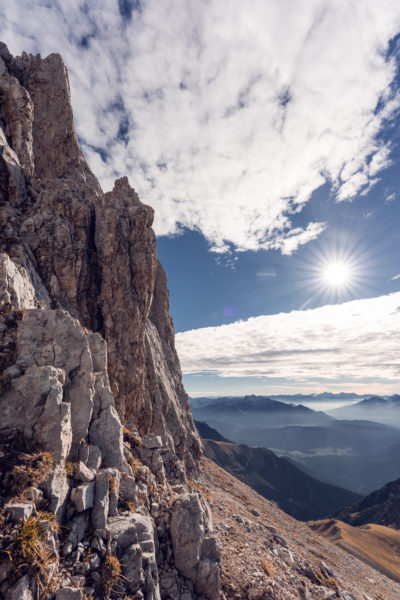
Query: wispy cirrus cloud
{"x": 353, "y": 341}
{"x": 225, "y": 119}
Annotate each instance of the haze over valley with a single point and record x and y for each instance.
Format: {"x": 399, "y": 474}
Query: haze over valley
{"x": 357, "y": 454}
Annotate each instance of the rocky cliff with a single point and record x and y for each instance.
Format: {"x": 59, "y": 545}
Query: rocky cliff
{"x": 97, "y": 439}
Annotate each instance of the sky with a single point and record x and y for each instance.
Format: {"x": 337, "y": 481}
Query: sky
{"x": 264, "y": 134}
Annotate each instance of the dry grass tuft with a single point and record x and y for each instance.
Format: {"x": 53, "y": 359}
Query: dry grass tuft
{"x": 29, "y": 470}
{"x": 139, "y": 470}
{"x": 70, "y": 467}
{"x": 44, "y": 515}
{"x": 31, "y": 550}
{"x": 328, "y": 582}
{"x": 110, "y": 574}
{"x": 112, "y": 485}
{"x": 133, "y": 440}
{"x": 266, "y": 565}
{"x": 193, "y": 486}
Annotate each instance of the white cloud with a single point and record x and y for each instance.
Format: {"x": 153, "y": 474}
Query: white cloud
{"x": 225, "y": 117}
{"x": 395, "y": 277}
{"x": 265, "y": 274}
{"x": 345, "y": 342}
{"x": 390, "y": 198}
{"x": 314, "y": 452}
{"x": 288, "y": 242}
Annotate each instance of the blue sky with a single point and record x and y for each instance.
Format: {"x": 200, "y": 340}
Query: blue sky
{"x": 266, "y": 140}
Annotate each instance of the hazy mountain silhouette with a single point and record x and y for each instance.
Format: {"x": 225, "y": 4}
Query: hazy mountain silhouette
{"x": 360, "y": 455}
{"x": 297, "y": 493}
{"x": 254, "y": 412}
{"x": 374, "y": 408}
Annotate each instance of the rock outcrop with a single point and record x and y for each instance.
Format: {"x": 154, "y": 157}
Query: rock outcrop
{"x": 97, "y": 439}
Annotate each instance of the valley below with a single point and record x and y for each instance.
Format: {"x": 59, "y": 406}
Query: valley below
{"x": 358, "y": 455}
{"x": 300, "y": 495}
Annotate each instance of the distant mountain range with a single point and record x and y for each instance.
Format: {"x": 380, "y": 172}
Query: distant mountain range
{"x": 291, "y": 398}
{"x": 374, "y": 408}
{"x": 254, "y": 411}
{"x": 359, "y": 455}
{"x": 297, "y": 493}
{"x": 381, "y": 507}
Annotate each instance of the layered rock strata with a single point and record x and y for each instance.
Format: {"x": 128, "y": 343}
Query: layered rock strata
{"x": 86, "y": 345}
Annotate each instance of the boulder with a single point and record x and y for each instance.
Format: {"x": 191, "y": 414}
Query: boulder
{"x": 6, "y": 566}
{"x": 197, "y": 553}
{"x": 19, "y": 512}
{"x": 101, "y": 500}
{"x": 69, "y": 593}
{"x": 78, "y": 527}
{"x": 90, "y": 455}
{"x": 152, "y": 441}
{"x": 132, "y": 568}
{"x": 128, "y": 489}
{"x": 20, "y": 590}
{"x": 83, "y": 473}
{"x": 57, "y": 488}
{"x": 123, "y": 531}
{"x": 83, "y": 496}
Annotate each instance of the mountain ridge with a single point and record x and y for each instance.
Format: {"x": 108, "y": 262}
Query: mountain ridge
{"x": 381, "y": 409}
{"x": 277, "y": 479}
{"x": 376, "y": 545}
{"x": 381, "y": 507}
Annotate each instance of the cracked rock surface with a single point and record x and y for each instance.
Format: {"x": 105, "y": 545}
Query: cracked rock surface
{"x": 96, "y": 436}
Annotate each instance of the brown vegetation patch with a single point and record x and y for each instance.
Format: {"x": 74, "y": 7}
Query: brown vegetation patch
{"x": 110, "y": 575}
{"x": 130, "y": 438}
{"x": 22, "y": 467}
{"x": 31, "y": 551}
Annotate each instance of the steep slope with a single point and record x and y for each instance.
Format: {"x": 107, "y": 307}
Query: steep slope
{"x": 298, "y": 494}
{"x": 86, "y": 341}
{"x": 375, "y": 545}
{"x": 381, "y": 507}
{"x": 267, "y": 555}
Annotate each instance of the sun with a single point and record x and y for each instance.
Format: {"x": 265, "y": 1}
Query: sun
{"x": 340, "y": 269}
{"x": 336, "y": 274}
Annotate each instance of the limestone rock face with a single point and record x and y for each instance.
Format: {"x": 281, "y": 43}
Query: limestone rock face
{"x": 90, "y": 253}
{"x": 87, "y": 347}
{"x": 196, "y": 551}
